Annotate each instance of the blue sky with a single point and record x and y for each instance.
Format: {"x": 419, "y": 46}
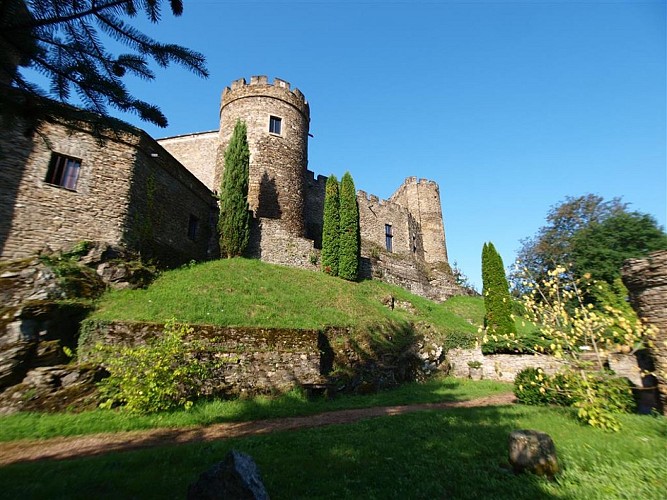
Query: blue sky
{"x": 510, "y": 106}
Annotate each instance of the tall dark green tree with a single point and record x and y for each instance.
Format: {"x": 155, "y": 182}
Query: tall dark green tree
{"x": 234, "y": 222}
{"x": 62, "y": 40}
{"x": 348, "y": 252}
{"x": 331, "y": 227}
{"x": 497, "y": 301}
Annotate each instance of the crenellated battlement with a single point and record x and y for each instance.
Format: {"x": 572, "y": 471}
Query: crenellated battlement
{"x": 372, "y": 199}
{"x": 260, "y": 86}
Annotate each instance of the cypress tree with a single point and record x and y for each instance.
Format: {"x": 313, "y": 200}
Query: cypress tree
{"x": 331, "y": 227}
{"x": 234, "y": 222}
{"x": 348, "y": 251}
{"x": 497, "y": 300}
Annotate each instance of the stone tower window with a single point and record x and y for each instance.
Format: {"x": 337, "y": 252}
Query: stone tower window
{"x": 388, "y": 237}
{"x": 275, "y": 125}
{"x": 193, "y": 226}
{"x": 63, "y": 171}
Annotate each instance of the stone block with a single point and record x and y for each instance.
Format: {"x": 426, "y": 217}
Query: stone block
{"x": 237, "y": 477}
{"x": 533, "y": 451}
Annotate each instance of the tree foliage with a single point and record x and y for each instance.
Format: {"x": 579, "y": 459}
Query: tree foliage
{"x": 234, "y": 222}
{"x": 331, "y": 227}
{"x": 578, "y": 235}
{"x": 348, "y": 252}
{"x": 601, "y": 248}
{"x": 66, "y": 42}
{"x": 497, "y": 301}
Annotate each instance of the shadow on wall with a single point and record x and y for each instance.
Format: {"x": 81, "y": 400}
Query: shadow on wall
{"x": 268, "y": 205}
{"x": 15, "y": 150}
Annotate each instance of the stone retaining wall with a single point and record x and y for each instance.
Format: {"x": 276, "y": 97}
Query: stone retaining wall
{"x": 253, "y": 360}
{"x": 505, "y": 367}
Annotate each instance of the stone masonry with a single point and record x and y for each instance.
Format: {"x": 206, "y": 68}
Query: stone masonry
{"x": 135, "y": 191}
{"x": 129, "y": 191}
{"x": 403, "y": 238}
{"x": 646, "y": 280}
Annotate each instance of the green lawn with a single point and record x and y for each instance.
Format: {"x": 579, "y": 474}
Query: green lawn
{"x": 456, "y": 453}
{"x": 246, "y": 292}
{"x": 45, "y": 425}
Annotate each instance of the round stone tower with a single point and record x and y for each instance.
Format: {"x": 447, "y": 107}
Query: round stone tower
{"x": 277, "y": 120}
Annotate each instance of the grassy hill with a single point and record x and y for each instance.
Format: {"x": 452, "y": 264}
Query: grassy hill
{"x": 243, "y": 292}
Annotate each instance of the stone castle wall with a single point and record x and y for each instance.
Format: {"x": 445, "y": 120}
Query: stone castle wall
{"x": 129, "y": 191}
{"x": 34, "y": 214}
{"x": 375, "y": 214}
{"x": 278, "y": 162}
{"x": 315, "y": 188}
{"x": 646, "y": 280}
{"x": 164, "y": 200}
{"x": 197, "y": 153}
{"x": 422, "y": 199}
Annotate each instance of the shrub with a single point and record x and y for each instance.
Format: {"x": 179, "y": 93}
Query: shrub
{"x": 164, "y": 374}
{"x": 529, "y": 387}
{"x": 599, "y": 396}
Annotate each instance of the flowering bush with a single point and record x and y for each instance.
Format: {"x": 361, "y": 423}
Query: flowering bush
{"x": 580, "y": 334}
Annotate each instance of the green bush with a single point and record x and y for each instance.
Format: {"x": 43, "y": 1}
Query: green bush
{"x": 598, "y": 396}
{"x": 529, "y": 387}
{"x": 165, "y": 374}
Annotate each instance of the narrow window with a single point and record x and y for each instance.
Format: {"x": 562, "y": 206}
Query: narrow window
{"x": 387, "y": 236}
{"x": 193, "y": 226}
{"x": 63, "y": 171}
{"x": 275, "y": 125}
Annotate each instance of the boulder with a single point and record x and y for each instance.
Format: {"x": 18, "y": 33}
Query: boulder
{"x": 236, "y": 477}
{"x": 534, "y": 452}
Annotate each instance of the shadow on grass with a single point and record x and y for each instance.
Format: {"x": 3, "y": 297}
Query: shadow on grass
{"x": 453, "y": 454}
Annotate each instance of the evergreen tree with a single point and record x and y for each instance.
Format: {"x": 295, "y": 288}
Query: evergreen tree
{"x": 234, "y": 222}
{"x": 497, "y": 301}
{"x": 61, "y": 40}
{"x": 348, "y": 251}
{"x": 331, "y": 227}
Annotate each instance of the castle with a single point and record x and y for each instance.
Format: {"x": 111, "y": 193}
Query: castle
{"x": 64, "y": 185}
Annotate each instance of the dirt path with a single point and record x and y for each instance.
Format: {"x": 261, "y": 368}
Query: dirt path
{"x": 99, "y": 444}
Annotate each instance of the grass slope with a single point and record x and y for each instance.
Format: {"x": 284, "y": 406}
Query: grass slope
{"x": 243, "y": 292}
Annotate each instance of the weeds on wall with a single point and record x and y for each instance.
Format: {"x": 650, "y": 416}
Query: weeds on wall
{"x": 165, "y": 374}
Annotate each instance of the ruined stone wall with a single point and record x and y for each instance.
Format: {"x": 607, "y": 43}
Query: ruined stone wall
{"x": 35, "y": 214}
{"x": 251, "y": 360}
{"x": 375, "y": 214}
{"x": 422, "y": 199}
{"x": 278, "y": 162}
{"x": 646, "y": 280}
{"x": 164, "y": 200}
{"x": 197, "y": 153}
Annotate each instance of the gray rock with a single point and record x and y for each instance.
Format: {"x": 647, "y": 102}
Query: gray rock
{"x": 534, "y": 452}
{"x": 236, "y": 477}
